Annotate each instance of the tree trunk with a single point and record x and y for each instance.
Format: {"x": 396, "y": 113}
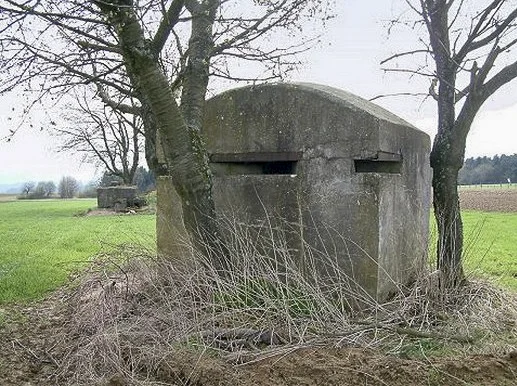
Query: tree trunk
{"x": 185, "y": 157}
{"x": 158, "y": 166}
{"x": 446, "y": 160}
{"x": 194, "y": 87}
{"x": 448, "y": 218}
{"x": 446, "y": 157}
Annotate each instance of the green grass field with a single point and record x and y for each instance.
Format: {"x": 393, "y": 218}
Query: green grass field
{"x": 42, "y": 242}
{"x": 491, "y": 245}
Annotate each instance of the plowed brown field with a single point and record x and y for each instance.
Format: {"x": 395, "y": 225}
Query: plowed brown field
{"x": 489, "y": 199}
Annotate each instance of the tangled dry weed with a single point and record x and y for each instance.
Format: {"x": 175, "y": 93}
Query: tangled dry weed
{"x": 154, "y": 321}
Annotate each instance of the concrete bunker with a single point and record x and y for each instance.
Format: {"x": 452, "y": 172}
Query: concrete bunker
{"x": 353, "y": 177}
{"x": 117, "y": 197}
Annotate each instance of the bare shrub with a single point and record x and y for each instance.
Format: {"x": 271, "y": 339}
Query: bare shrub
{"x": 137, "y": 320}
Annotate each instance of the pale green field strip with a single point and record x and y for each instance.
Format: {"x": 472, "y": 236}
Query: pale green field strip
{"x": 513, "y": 185}
{"x": 491, "y": 245}
{"x": 42, "y": 242}
{"x": 7, "y": 197}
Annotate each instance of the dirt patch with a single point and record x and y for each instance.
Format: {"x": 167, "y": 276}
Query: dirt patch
{"x": 31, "y": 340}
{"x": 489, "y": 200}
{"x": 365, "y": 367}
{"x": 34, "y": 343}
{"x": 100, "y": 212}
{"x": 341, "y": 367}
{"x": 113, "y": 212}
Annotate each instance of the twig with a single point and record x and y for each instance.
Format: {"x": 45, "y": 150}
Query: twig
{"x": 52, "y": 359}
{"x": 413, "y": 94}
{"x": 433, "y": 335}
{"x": 406, "y": 331}
{"x": 236, "y": 336}
{"x": 26, "y": 349}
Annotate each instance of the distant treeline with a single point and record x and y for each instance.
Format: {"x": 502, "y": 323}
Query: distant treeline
{"x": 486, "y": 170}
{"x": 69, "y": 187}
{"x": 144, "y": 180}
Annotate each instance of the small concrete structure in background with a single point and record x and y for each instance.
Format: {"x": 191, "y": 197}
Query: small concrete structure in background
{"x": 351, "y": 179}
{"x": 118, "y": 198}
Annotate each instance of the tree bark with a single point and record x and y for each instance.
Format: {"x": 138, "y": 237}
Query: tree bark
{"x": 448, "y": 216}
{"x": 194, "y": 87}
{"x": 446, "y": 155}
{"x": 185, "y": 158}
{"x": 151, "y": 145}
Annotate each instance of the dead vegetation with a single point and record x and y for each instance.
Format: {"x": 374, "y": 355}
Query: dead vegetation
{"x": 151, "y": 321}
{"x": 137, "y": 321}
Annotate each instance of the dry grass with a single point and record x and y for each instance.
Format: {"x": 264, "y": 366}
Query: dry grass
{"x": 133, "y": 320}
{"x": 7, "y": 197}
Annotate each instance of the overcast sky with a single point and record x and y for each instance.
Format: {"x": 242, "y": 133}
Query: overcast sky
{"x": 348, "y": 58}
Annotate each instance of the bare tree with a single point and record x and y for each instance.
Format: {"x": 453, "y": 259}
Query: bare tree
{"x": 473, "y": 55}
{"x": 49, "y": 188}
{"x": 144, "y": 179}
{"x": 44, "y": 189}
{"x": 104, "y": 136}
{"x": 28, "y": 187}
{"x": 68, "y": 187}
{"x": 162, "y": 53}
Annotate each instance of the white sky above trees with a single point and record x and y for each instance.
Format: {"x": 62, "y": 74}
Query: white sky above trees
{"x": 348, "y": 58}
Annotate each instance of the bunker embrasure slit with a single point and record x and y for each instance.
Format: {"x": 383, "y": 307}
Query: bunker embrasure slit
{"x": 256, "y": 163}
{"x": 368, "y": 166}
{"x": 380, "y": 162}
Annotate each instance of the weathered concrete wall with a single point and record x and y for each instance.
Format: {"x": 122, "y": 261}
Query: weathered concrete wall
{"x": 360, "y": 179}
{"x": 352, "y": 177}
{"x": 171, "y": 235}
{"x": 116, "y": 196}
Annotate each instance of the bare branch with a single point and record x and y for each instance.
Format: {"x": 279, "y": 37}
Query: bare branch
{"x": 170, "y": 19}
{"x": 409, "y": 71}
{"x": 104, "y": 136}
{"x": 98, "y": 47}
{"x": 504, "y": 76}
{"x": 401, "y": 54}
{"x": 123, "y": 108}
{"x": 396, "y": 94}
{"x": 471, "y": 44}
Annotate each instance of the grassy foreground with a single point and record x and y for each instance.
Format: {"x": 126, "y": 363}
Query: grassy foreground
{"x": 43, "y": 242}
{"x": 491, "y": 245}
